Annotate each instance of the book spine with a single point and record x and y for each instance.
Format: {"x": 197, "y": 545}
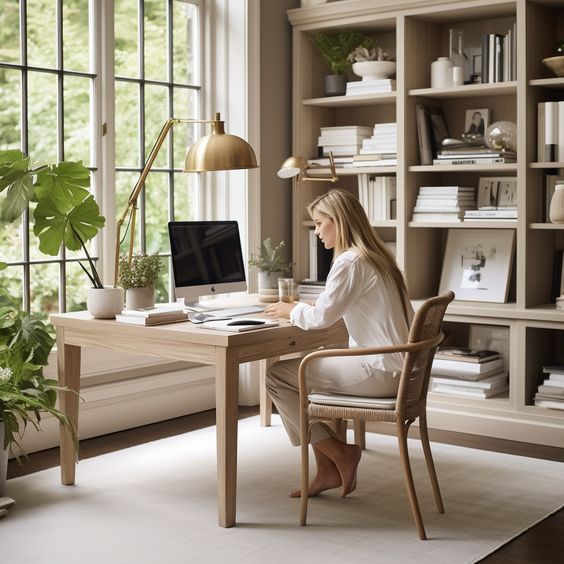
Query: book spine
{"x": 485, "y": 58}
{"x": 560, "y": 133}
{"x": 551, "y": 131}
{"x": 541, "y": 108}
{"x": 486, "y": 160}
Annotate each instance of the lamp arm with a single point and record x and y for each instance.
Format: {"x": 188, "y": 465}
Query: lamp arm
{"x": 132, "y": 201}
{"x": 333, "y": 177}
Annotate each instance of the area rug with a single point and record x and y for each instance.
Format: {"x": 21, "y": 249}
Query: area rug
{"x": 157, "y": 503}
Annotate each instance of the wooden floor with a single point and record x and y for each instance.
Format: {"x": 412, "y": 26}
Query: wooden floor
{"x": 542, "y": 544}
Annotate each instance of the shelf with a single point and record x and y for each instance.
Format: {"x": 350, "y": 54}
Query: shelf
{"x": 557, "y": 82}
{"x": 487, "y": 223}
{"x": 509, "y": 167}
{"x": 549, "y": 226}
{"x": 546, "y": 165}
{"x": 496, "y": 89}
{"x": 381, "y": 223}
{"x": 352, "y": 171}
{"x": 356, "y": 100}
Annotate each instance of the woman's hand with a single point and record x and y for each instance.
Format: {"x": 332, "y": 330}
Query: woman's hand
{"x": 279, "y": 309}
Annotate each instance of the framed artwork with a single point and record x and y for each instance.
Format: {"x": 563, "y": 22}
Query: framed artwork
{"x": 476, "y": 121}
{"x": 497, "y": 192}
{"x": 477, "y": 264}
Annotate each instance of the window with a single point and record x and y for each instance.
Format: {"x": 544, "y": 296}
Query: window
{"x": 51, "y": 86}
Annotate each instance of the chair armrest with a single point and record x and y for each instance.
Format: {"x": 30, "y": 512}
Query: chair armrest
{"x": 405, "y": 347}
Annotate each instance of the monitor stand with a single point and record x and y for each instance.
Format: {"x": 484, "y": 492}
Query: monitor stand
{"x": 197, "y": 306}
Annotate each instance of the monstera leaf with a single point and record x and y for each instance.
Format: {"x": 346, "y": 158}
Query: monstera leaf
{"x": 16, "y": 177}
{"x": 74, "y": 227}
{"x": 66, "y": 184}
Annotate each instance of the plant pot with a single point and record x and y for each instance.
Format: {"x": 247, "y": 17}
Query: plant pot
{"x": 4, "y": 453}
{"x": 104, "y": 303}
{"x": 268, "y": 286}
{"x": 374, "y": 70}
{"x": 335, "y": 85}
{"x": 136, "y": 298}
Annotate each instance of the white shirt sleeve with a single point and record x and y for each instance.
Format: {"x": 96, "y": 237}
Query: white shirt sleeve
{"x": 340, "y": 292}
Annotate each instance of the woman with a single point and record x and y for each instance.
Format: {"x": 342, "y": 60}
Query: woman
{"x": 366, "y": 289}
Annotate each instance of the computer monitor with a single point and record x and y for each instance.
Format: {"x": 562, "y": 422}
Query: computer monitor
{"x": 206, "y": 259}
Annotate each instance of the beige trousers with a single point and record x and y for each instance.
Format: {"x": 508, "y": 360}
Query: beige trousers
{"x": 344, "y": 375}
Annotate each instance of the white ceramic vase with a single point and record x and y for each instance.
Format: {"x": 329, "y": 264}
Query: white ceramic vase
{"x": 556, "y": 212}
{"x": 104, "y": 303}
{"x": 441, "y": 73}
{"x": 374, "y": 70}
{"x": 3, "y": 462}
{"x": 136, "y": 298}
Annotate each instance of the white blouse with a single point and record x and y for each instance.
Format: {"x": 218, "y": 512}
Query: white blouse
{"x": 370, "y": 307}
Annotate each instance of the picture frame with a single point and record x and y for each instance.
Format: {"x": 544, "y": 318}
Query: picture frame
{"x": 477, "y": 264}
{"x": 476, "y": 121}
{"x": 497, "y": 192}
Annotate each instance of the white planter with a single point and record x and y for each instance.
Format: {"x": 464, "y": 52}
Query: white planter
{"x": 268, "y": 286}
{"x": 3, "y": 462}
{"x": 136, "y": 298}
{"x": 104, "y": 303}
{"x": 374, "y": 70}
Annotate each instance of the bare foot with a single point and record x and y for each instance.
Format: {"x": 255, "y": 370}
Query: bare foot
{"x": 347, "y": 467}
{"x": 320, "y": 484}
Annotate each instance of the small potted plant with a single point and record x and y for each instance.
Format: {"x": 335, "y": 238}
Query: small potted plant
{"x": 372, "y": 63}
{"x": 271, "y": 265}
{"x": 138, "y": 278}
{"x": 25, "y": 394}
{"x": 66, "y": 214}
{"x": 335, "y": 49}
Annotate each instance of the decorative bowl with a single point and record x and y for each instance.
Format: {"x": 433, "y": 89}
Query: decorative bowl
{"x": 374, "y": 70}
{"x": 555, "y": 64}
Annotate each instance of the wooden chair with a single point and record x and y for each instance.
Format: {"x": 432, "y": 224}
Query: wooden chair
{"x": 411, "y": 402}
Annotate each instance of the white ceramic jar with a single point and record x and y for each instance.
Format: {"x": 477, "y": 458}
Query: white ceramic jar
{"x": 441, "y": 73}
{"x": 556, "y": 211}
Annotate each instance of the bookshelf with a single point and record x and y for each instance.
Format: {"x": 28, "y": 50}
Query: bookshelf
{"x": 418, "y": 32}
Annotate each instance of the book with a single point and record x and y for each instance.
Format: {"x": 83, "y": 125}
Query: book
{"x": 155, "y": 320}
{"x": 489, "y": 383}
{"x": 437, "y": 127}
{"x": 158, "y": 310}
{"x": 469, "y": 392}
{"x": 541, "y": 155}
{"x": 474, "y": 161}
{"x": 239, "y": 324}
{"x": 552, "y": 390}
{"x": 437, "y": 216}
{"x": 466, "y": 370}
{"x": 425, "y": 153}
{"x": 550, "y": 404}
{"x": 553, "y": 382}
{"x": 465, "y": 354}
{"x": 374, "y": 162}
{"x": 553, "y": 369}
{"x": 550, "y": 131}
{"x": 489, "y": 214}
{"x": 473, "y": 154}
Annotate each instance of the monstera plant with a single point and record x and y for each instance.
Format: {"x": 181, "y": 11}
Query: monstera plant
{"x": 66, "y": 212}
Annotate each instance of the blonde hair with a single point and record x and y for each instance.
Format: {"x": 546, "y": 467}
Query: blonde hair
{"x": 353, "y": 231}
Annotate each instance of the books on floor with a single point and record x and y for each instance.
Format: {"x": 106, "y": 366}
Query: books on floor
{"x": 443, "y": 203}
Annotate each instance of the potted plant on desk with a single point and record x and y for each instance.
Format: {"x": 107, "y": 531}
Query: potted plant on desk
{"x": 138, "y": 278}
{"x": 271, "y": 265}
{"x": 66, "y": 215}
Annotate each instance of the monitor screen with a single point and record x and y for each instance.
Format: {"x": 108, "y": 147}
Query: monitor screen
{"x": 206, "y": 258}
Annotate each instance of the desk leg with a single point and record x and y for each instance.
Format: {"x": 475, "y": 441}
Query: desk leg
{"x": 226, "y": 405}
{"x": 68, "y": 368}
{"x": 265, "y": 401}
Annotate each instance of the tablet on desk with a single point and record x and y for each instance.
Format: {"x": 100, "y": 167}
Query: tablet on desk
{"x": 240, "y": 324}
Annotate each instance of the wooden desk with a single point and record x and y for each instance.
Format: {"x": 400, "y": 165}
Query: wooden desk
{"x": 188, "y": 342}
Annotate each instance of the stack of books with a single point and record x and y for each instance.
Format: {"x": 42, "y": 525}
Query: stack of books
{"x": 157, "y": 315}
{"x": 374, "y": 86}
{"x": 499, "y": 56}
{"x": 550, "y": 393}
{"x": 381, "y": 149}
{"x": 469, "y": 155}
{"x": 342, "y": 141}
{"x": 443, "y": 203}
{"x": 378, "y": 197}
{"x": 468, "y": 372}
{"x": 309, "y": 290}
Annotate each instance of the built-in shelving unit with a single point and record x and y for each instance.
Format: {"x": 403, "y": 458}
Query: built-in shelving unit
{"x": 418, "y": 33}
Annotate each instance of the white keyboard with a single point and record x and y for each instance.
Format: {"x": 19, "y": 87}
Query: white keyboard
{"x": 235, "y": 311}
